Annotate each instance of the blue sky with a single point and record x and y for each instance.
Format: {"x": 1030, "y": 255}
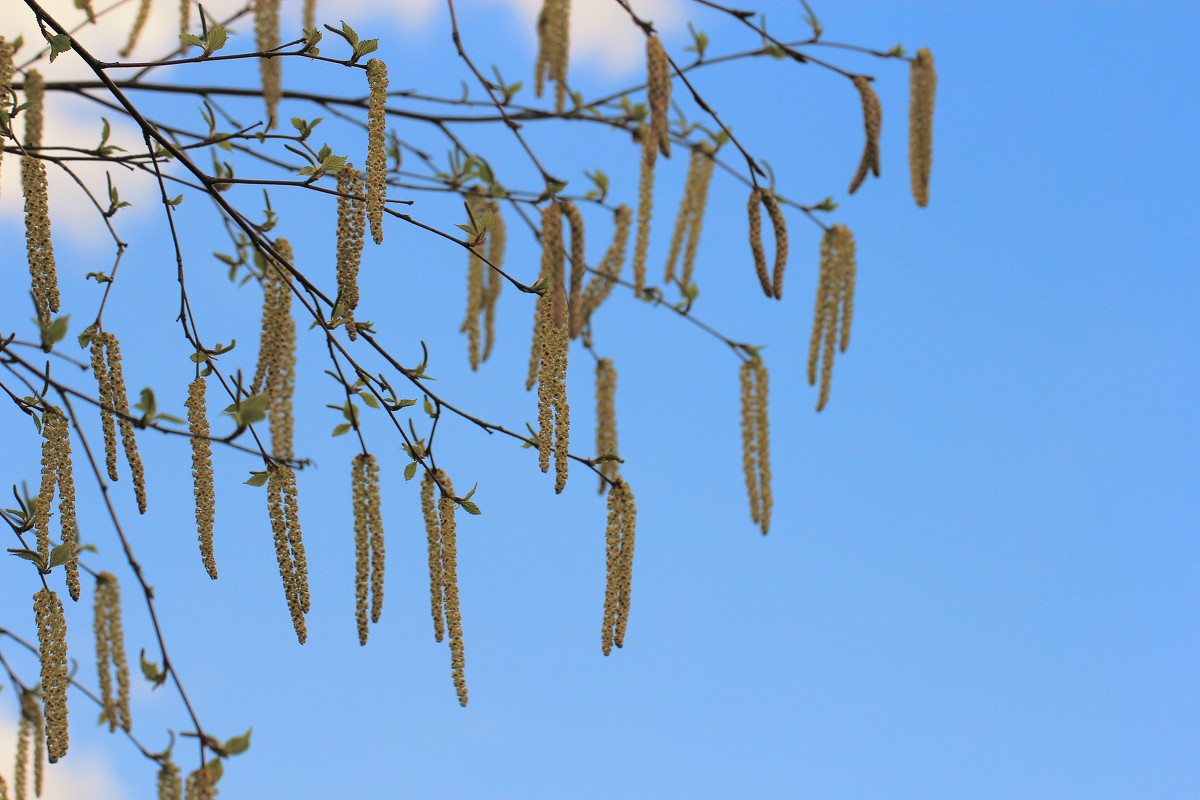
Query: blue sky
{"x": 980, "y": 580}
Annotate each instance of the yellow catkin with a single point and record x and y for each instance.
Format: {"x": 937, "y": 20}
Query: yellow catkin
{"x": 139, "y": 22}
{"x": 368, "y": 543}
{"x": 578, "y": 267}
{"x": 276, "y": 371}
{"x": 24, "y": 740}
{"x": 202, "y": 472}
{"x": 872, "y": 123}
{"x": 557, "y": 352}
{"x": 475, "y": 291}
{"x": 658, "y": 91}
{"x": 310, "y": 13}
{"x": 645, "y": 207}
{"x": 749, "y": 398}
{"x": 433, "y": 532}
{"x": 922, "y": 88}
{"x": 266, "y": 38}
{"x": 377, "y": 81}
{"x": 546, "y": 322}
{"x": 540, "y": 309}
{"x": 351, "y": 224}
{"x": 497, "y": 241}
{"x": 602, "y": 283}
{"x": 35, "y": 114}
{"x": 781, "y": 241}
{"x": 52, "y": 647}
{"x": 834, "y": 307}
{"x": 756, "y": 446}
{"x": 691, "y": 214}
{"x": 110, "y": 652}
{"x": 66, "y": 498}
{"x": 6, "y": 73}
{"x": 554, "y": 27}
{"x": 606, "y": 419}
{"x": 108, "y": 421}
{"x": 201, "y": 784}
{"x": 754, "y": 212}
{"x": 49, "y": 485}
{"x": 185, "y": 22}
{"x": 763, "y": 444}
{"x": 119, "y": 397}
{"x": 39, "y": 750}
{"x": 619, "y": 544}
{"x": 449, "y": 537}
{"x": 38, "y": 243}
{"x": 3, "y": 789}
{"x": 289, "y": 548}
{"x": 170, "y": 783}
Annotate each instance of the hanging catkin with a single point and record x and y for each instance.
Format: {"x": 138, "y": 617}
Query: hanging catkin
{"x": 6, "y": 73}
{"x": 351, "y": 223}
{"x": 289, "y": 546}
{"x": 619, "y": 542}
{"x": 578, "y": 267}
{"x": 601, "y": 285}
{"x": 922, "y": 88}
{"x": 606, "y": 420}
{"x": 449, "y": 574}
{"x": 107, "y": 419}
{"x": 52, "y": 647}
{"x": 658, "y": 91}
{"x": 645, "y": 207}
{"x": 834, "y": 307}
{"x": 202, "y": 472}
{"x": 552, "y": 339}
{"x": 368, "y": 543}
{"x": 276, "y": 371}
{"x": 110, "y": 652}
{"x": 117, "y": 397}
{"x": 169, "y": 783}
{"x": 433, "y": 532}
{"x": 554, "y": 28}
{"x": 496, "y": 243}
{"x": 872, "y": 123}
{"x": 772, "y": 283}
{"x": 756, "y": 453}
{"x": 57, "y": 473}
{"x": 135, "y": 32}
{"x": 691, "y": 214}
{"x": 39, "y": 247}
{"x": 376, "y": 177}
{"x": 475, "y": 291}
{"x": 266, "y": 37}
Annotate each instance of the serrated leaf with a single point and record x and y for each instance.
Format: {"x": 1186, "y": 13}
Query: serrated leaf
{"x": 429, "y": 408}
{"x": 405, "y": 402}
{"x": 341, "y": 429}
{"x": 217, "y": 36}
{"x": 469, "y": 507}
{"x": 59, "y": 43}
{"x": 147, "y": 405}
{"x": 55, "y": 332}
{"x": 28, "y": 555}
{"x": 215, "y": 770}
{"x": 410, "y": 471}
{"x": 257, "y": 479}
{"x": 253, "y": 409}
{"x": 151, "y": 672}
{"x": 192, "y": 39}
{"x": 238, "y": 744}
{"x": 370, "y": 400}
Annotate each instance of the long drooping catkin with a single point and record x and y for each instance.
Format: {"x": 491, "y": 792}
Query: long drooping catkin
{"x": 619, "y": 544}
{"x": 201, "y": 783}
{"x": 475, "y": 291}
{"x": 552, "y": 340}
{"x": 756, "y": 246}
{"x": 872, "y": 123}
{"x": 276, "y": 371}
{"x": 554, "y": 28}
{"x": 118, "y": 396}
{"x": 56, "y": 475}
{"x": 433, "y": 532}
{"x": 756, "y": 453}
{"x": 52, "y": 647}
{"x": 368, "y": 542}
{"x": 497, "y": 242}
{"x": 39, "y": 247}
{"x": 266, "y": 38}
{"x": 922, "y": 88}
{"x": 606, "y": 420}
{"x": 578, "y": 267}
{"x": 601, "y": 285}
{"x": 834, "y": 307}
{"x": 135, "y": 32}
{"x": 658, "y": 91}
{"x": 691, "y": 214}
{"x": 25, "y": 737}
{"x": 202, "y": 472}
{"x": 645, "y": 207}
{"x": 779, "y": 226}
{"x": 376, "y": 178}
{"x": 289, "y": 546}
{"x": 107, "y": 419}
{"x": 449, "y": 573}
{"x": 351, "y": 224}
{"x": 185, "y": 22}
{"x": 110, "y": 652}
{"x": 6, "y": 73}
